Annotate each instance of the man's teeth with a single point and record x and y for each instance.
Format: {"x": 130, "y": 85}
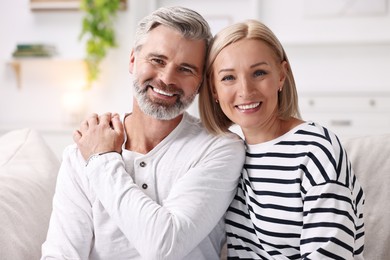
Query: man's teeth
{"x": 250, "y": 106}
{"x": 159, "y": 91}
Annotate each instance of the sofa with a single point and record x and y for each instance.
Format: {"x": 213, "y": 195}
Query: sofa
{"x": 28, "y": 170}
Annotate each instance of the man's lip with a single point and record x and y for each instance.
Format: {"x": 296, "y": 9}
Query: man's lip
{"x": 162, "y": 92}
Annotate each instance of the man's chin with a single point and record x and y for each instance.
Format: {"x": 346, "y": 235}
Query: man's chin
{"x": 161, "y": 109}
{"x": 161, "y": 112}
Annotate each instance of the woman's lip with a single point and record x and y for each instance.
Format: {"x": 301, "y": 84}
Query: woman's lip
{"x": 248, "y": 106}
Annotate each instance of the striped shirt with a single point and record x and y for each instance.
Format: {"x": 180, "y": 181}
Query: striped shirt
{"x": 298, "y": 198}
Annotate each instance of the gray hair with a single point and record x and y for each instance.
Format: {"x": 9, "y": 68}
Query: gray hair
{"x": 188, "y": 22}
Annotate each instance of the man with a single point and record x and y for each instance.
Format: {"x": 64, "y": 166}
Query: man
{"x": 158, "y": 185}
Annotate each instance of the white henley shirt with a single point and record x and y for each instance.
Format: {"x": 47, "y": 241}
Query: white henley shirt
{"x": 166, "y": 204}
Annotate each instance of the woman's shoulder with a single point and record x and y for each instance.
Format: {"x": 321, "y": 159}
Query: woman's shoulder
{"x": 314, "y": 132}
{"x": 324, "y": 148}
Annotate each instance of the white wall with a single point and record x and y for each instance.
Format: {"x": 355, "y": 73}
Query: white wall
{"x": 44, "y": 82}
{"x": 338, "y": 51}
{"x": 334, "y": 51}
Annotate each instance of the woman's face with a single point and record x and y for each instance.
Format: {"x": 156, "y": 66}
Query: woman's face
{"x": 246, "y": 79}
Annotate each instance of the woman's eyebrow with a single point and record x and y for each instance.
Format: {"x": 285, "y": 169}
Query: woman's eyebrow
{"x": 259, "y": 64}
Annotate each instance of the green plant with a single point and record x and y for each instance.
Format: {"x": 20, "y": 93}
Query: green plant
{"x": 98, "y": 27}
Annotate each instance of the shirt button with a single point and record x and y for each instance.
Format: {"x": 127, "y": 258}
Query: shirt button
{"x": 144, "y": 186}
{"x": 142, "y": 164}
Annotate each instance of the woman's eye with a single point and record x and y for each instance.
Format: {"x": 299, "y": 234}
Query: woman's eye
{"x": 259, "y": 73}
{"x": 227, "y": 78}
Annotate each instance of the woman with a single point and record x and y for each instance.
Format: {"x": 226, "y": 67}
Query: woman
{"x": 298, "y": 197}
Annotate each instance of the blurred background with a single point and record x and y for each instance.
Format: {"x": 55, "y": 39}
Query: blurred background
{"x": 339, "y": 51}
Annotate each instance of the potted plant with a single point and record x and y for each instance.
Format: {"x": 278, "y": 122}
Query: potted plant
{"x": 98, "y": 27}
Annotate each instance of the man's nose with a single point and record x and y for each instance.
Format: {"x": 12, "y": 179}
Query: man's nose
{"x": 168, "y": 75}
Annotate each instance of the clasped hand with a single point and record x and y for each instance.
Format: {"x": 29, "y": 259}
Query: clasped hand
{"x": 100, "y": 134}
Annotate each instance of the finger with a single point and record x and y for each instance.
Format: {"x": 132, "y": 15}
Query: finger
{"x": 117, "y": 124}
{"x": 105, "y": 119}
{"x": 84, "y": 126}
{"x": 93, "y": 120}
{"x": 76, "y": 136}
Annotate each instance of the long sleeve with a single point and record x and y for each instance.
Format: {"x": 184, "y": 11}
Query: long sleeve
{"x": 332, "y": 204}
{"x": 328, "y": 223}
{"x": 195, "y": 204}
{"x": 71, "y": 229}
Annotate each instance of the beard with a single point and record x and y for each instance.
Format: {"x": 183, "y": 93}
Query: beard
{"x": 159, "y": 109}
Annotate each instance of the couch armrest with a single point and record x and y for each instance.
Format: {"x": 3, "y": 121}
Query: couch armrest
{"x": 370, "y": 158}
{"x": 28, "y": 170}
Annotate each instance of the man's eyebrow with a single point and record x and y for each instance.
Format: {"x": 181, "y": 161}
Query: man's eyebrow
{"x": 156, "y": 55}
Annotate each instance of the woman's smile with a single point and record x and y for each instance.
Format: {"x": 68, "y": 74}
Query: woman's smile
{"x": 251, "y": 107}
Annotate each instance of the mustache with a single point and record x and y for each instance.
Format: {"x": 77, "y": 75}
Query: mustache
{"x": 161, "y": 85}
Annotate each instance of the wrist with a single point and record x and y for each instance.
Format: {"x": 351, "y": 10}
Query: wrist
{"x": 97, "y": 155}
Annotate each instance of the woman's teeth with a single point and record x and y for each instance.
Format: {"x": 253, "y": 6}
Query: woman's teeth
{"x": 250, "y": 106}
{"x": 159, "y": 91}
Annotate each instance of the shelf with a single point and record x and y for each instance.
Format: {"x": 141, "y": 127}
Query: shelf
{"x": 17, "y": 65}
{"x": 17, "y": 68}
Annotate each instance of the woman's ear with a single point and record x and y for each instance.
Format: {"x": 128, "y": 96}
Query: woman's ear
{"x": 215, "y": 96}
{"x": 132, "y": 61}
{"x": 283, "y": 73}
{"x": 214, "y": 92}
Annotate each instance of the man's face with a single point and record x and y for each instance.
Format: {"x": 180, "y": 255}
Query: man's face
{"x": 168, "y": 71}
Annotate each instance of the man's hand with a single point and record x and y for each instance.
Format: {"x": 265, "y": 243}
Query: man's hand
{"x": 100, "y": 134}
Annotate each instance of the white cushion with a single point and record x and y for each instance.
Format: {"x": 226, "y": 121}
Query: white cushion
{"x": 370, "y": 157}
{"x": 28, "y": 170}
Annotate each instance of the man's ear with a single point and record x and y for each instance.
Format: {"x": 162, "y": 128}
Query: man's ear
{"x": 200, "y": 86}
{"x": 132, "y": 60}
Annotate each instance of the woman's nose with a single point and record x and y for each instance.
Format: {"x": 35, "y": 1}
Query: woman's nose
{"x": 246, "y": 88}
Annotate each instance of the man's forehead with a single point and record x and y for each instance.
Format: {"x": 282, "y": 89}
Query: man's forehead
{"x": 165, "y": 39}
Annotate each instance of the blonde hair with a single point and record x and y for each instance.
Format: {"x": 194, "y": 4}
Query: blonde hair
{"x": 210, "y": 112}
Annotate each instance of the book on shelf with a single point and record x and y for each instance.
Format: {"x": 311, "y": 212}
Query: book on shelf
{"x": 34, "y": 50}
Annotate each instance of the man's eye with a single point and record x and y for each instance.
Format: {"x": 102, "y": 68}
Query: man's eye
{"x": 227, "y": 78}
{"x": 185, "y": 69}
{"x": 157, "y": 61}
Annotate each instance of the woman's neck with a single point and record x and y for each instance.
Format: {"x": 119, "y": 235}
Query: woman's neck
{"x": 270, "y": 131}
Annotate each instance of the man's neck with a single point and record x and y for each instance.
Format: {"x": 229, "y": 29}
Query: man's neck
{"x": 145, "y": 132}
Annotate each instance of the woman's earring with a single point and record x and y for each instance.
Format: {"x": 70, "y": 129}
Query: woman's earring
{"x": 280, "y": 90}
{"x": 216, "y": 101}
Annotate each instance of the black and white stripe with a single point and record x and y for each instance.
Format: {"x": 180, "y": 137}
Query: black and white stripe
{"x": 297, "y": 198}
